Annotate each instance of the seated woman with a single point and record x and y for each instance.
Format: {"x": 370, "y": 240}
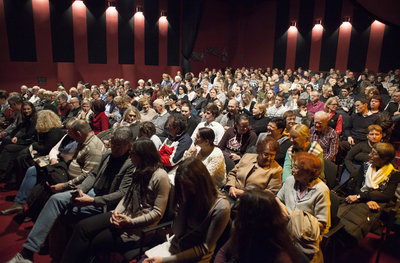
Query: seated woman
{"x": 202, "y": 215}
{"x": 300, "y": 139}
{"x": 211, "y": 156}
{"x": 258, "y": 121}
{"x": 49, "y": 129}
{"x": 305, "y": 191}
{"x": 142, "y": 206}
{"x": 147, "y": 129}
{"x": 258, "y": 169}
{"x": 22, "y": 136}
{"x": 64, "y": 150}
{"x": 130, "y": 118}
{"x": 248, "y": 103}
{"x": 237, "y": 140}
{"x": 264, "y": 236}
{"x": 375, "y": 187}
{"x": 335, "y": 118}
{"x": 99, "y": 120}
{"x": 147, "y": 113}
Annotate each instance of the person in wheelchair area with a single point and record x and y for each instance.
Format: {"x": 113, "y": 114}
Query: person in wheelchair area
{"x": 373, "y": 190}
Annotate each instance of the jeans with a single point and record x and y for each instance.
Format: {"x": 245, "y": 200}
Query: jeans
{"x": 346, "y": 174}
{"x": 26, "y": 186}
{"x": 57, "y": 205}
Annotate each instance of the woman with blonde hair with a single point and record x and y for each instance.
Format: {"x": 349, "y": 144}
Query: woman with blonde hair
{"x": 258, "y": 121}
{"x": 49, "y": 132}
{"x": 131, "y": 118}
{"x": 300, "y": 139}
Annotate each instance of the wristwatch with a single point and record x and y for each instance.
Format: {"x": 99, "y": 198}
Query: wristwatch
{"x": 358, "y": 197}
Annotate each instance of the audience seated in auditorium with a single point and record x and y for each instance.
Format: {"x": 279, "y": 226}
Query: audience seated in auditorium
{"x": 229, "y": 90}
{"x": 20, "y": 138}
{"x": 142, "y": 206}
{"x": 374, "y": 188}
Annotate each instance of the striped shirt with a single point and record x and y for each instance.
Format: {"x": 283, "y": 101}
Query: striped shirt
{"x": 87, "y": 158}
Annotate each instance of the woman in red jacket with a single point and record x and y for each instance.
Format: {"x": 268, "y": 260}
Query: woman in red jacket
{"x": 99, "y": 120}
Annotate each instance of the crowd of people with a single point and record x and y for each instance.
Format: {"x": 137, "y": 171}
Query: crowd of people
{"x": 248, "y": 145}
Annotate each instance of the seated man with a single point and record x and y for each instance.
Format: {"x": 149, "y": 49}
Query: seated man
{"x": 315, "y": 104}
{"x": 90, "y": 150}
{"x": 176, "y": 144}
{"x": 278, "y": 109}
{"x": 275, "y": 130}
{"x": 359, "y": 154}
{"x": 325, "y": 136}
{"x": 101, "y": 188}
{"x": 228, "y": 119}
{"x": 236, "y": 140}
{"x": 211, "y": 112}
{"x": 160, "y": 119}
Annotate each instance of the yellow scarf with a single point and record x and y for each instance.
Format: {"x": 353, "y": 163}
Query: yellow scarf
{"x": 373, "y": 177}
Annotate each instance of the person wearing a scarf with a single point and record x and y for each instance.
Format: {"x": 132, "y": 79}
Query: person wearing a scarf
{"x": 380, "y": 180}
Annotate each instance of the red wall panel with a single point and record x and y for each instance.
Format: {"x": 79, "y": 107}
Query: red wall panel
{"x": 375, "y": 46}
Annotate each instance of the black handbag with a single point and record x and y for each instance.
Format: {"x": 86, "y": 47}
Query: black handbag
{"x": 53, "y": 174}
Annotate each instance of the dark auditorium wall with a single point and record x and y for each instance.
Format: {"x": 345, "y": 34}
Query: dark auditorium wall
{"x": 55, "y": 40}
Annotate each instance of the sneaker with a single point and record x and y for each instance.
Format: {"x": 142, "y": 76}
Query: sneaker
{"x": 19, "y": 259}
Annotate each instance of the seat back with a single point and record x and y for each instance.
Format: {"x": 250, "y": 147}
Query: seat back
{"x": 330, "y": 170}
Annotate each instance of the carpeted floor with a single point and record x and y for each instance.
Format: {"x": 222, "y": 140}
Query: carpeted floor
{"x": 13, "y": 233}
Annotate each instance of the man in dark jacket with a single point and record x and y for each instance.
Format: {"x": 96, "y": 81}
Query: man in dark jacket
{"x": 101, "y": 190}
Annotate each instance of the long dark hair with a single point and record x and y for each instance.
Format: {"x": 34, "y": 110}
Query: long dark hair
{"x": 150, "y": 161}
{"x": 260, "y": 230}
{"x": 33, "y": 114}
{"x": 195, "y": 190}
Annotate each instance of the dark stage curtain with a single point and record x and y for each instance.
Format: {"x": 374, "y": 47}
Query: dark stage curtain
{"x": 192, "y": 13}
